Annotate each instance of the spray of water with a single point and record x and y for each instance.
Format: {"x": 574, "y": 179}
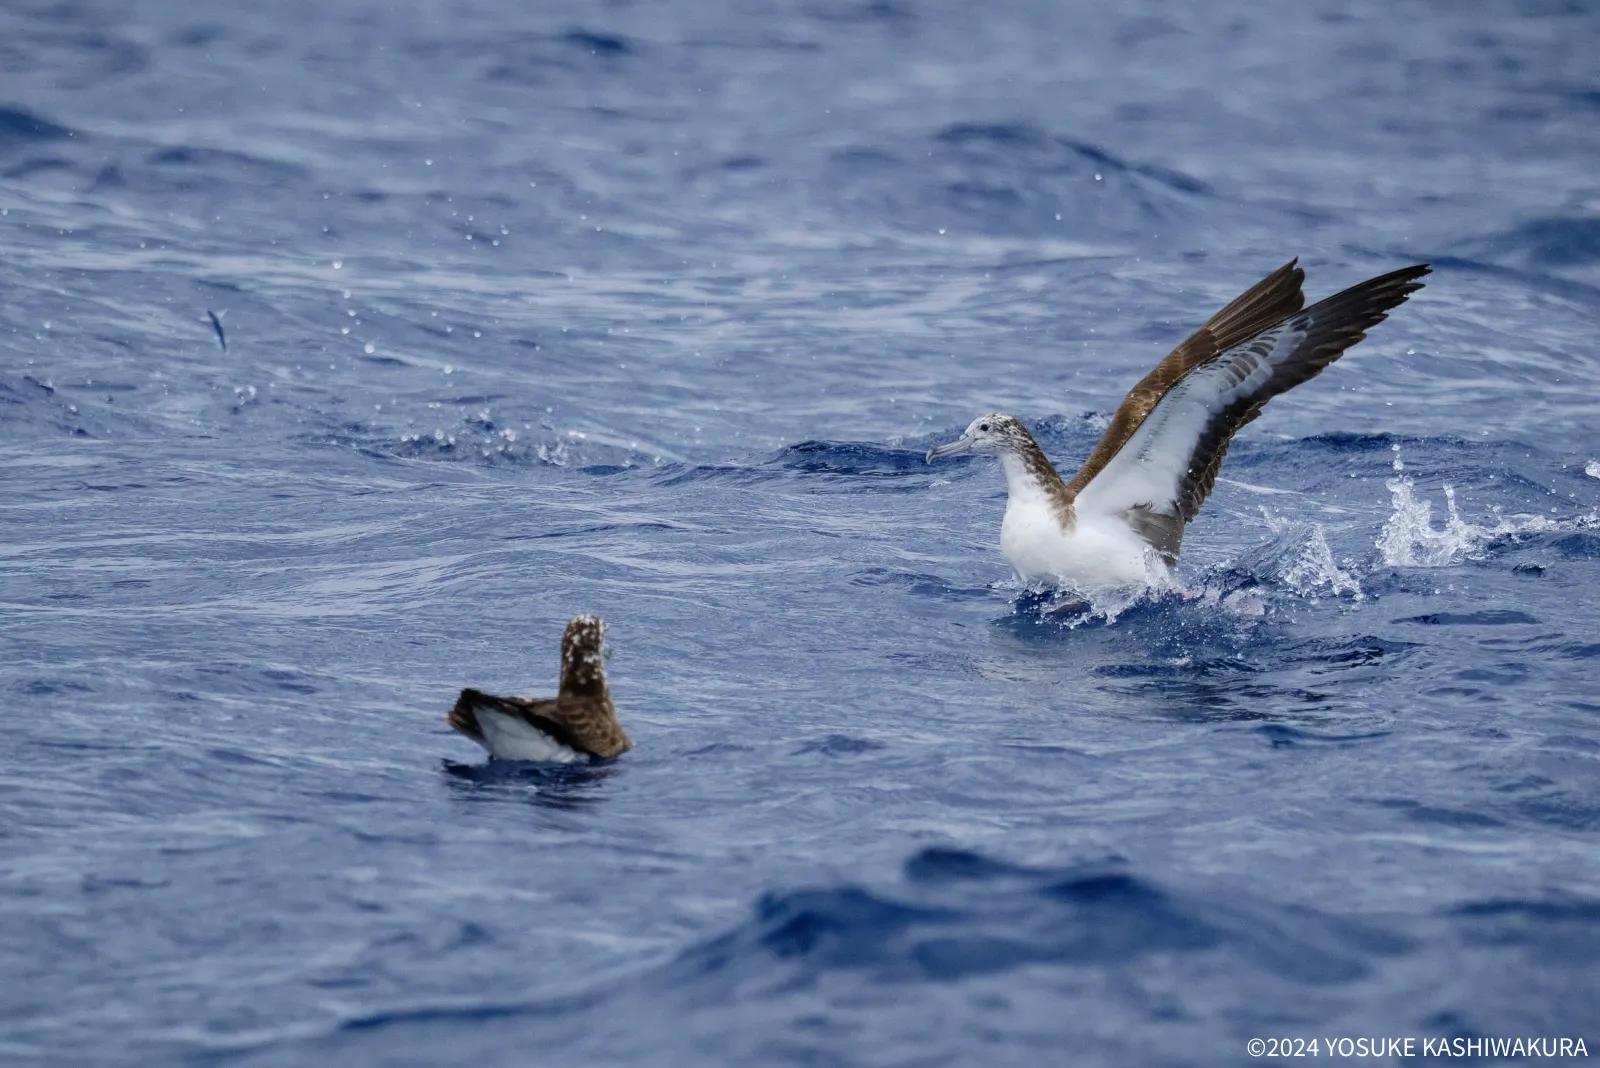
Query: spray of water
{"x": 1302, "y": 560}
{"x": 1409, "y": 538}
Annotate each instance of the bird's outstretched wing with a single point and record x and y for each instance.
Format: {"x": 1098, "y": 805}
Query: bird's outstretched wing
{"x": 1163, "y": 469}
{"x": 1265, "y": 304}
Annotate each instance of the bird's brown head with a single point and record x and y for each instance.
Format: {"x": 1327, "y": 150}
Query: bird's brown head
{"x": 583, "y": 667}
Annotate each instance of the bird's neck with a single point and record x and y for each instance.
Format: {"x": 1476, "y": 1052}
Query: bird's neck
{"x": 583, "y": 672}
{"x": 1032, "y": 479}
{"x": 589, "y": 686}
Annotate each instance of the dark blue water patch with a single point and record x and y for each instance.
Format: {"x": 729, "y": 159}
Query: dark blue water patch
{"x": 1012, "y": 177}
{"x": 963, "y": 915}
{"x": 1490, "y": 617}
{"x": 856, "y": 459}
{"x": 131, "y": 167}
{"x": 1197, "y": 663}
{"x": 239, "y": 758}
{"x": 840, "y": 745}
{"x": 20, "y": 130}
{"x": 920, "y": 585}
{"x": 1569, "y": 810}
{"x": 534, "y": 59}
{"x": 599, "y": 44}
{"x": 1058, "y": 434}
{"x": 187, "y": 167}
{"x": 1576, "y": 545}
{"x": 475, "y": 1013}
{"x": 881, "y": 12}
{"x": 245, "y": 678}
{"x": 1433, "y": 814}
{"x": 1282, "y": 736}
{"x": 1568, "y": 927}
{"x": 942, "y": 864}
{"x": 43, "y": 687}
{"x": 569, "y": 787}
{"x": 1550, "y": 242}
{"x": 595, "y": 528}
{"x": 850, "y": 467}
{"x": 1033, "y": 150}
{"x": 1339, "y": 654}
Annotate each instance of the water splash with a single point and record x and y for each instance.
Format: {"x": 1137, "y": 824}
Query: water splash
{"x": 1409, "y": 538}
{"x": 1299, "y": 558}
{"x": 1074, "y": 608}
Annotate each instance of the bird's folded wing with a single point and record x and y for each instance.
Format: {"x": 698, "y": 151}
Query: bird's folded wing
{"x": 539, "y": 713}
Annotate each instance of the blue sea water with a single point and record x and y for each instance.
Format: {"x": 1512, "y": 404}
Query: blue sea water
{"x": 651, "y": 310}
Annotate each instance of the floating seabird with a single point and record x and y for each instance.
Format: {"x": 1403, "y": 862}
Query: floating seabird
{"x": 578, "y": 724}
{"x": 1120, "y": 521}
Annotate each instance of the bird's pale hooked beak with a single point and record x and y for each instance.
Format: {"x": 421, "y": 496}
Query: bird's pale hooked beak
{"x": 961, "y": 445}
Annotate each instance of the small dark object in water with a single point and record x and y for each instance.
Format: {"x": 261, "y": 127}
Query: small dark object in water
{"x": 216, "y": 324}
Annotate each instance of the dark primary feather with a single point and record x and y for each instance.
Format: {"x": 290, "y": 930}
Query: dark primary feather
{"x": 1331, "y": 327}
{"x": 1162, "y": 531}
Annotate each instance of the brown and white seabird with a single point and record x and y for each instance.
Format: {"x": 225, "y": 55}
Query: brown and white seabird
{"x": 578, "y": 724}
{"x": 1120, "y": 521}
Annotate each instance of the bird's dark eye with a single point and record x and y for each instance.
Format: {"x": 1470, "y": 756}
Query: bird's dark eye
{"x": 983, "y": 427}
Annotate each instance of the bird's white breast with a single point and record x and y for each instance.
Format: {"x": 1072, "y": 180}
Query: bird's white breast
{"x": 1097, "y": 551}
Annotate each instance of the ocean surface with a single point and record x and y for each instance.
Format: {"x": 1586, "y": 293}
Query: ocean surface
{"x": 651, "y": 309}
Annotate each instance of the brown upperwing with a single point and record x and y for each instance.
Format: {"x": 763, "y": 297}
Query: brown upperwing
{"x": 1265, "y": 304}
{"x": 1332, "y": 326}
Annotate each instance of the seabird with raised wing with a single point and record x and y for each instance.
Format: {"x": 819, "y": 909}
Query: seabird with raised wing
{"x": 579, "y": 724}
{"x": 1120, "y": 520}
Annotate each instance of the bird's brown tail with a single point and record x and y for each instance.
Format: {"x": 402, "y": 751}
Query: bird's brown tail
{"x": 464, "y": 717}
